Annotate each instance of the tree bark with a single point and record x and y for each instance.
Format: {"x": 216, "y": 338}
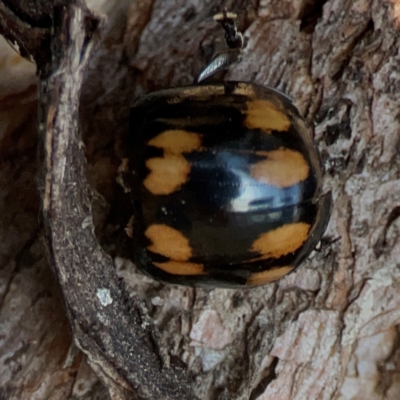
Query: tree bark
{"x": 327, "y": 331}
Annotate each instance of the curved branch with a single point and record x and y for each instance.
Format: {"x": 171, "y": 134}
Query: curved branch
{"x": 29, "y": 39}
{"x": 120, "y": 340}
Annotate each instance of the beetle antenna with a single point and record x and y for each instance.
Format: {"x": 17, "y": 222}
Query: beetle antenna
{"x": 234, "y": 42}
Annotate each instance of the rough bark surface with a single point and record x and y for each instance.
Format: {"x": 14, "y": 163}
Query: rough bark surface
{"x": 327, "y": 331}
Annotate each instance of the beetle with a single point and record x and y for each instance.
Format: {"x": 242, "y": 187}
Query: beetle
{"x": 225, "y": 180}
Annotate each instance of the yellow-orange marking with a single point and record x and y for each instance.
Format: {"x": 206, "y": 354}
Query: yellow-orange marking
{"x": 176, "y": 141}
{"x": 281, "y": 168}
{"x": 168, "y": 242}
{"x": 259, "y": 278}
{"x": 281, "y": 241}
{"x": 262, "y": 114}
{"x": 167, "y": 174}
{"x": 180, "y": 268}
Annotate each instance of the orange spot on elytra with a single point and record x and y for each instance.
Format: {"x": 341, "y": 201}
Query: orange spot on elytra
{"x": 176, "y": 141}
{"x": 180, "y": 268}
{"x": 263, "y": 114}
{"x": 168, "y": 242}
{"x": 167, "y": 174}
{"x": 270, "y": 275}
{"x": 281, "y": 241}
{"x": 281, "y": 168}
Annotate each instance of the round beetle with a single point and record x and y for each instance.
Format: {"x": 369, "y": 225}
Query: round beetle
{"x": 225, "y": 180}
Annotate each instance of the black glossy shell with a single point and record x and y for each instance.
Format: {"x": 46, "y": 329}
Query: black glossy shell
{"x": 225, "y": 183}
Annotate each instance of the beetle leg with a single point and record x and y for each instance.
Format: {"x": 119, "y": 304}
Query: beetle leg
{"x": 234, "y": 41}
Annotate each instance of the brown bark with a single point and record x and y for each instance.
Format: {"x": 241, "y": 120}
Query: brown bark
{"x": 327, "y": 331}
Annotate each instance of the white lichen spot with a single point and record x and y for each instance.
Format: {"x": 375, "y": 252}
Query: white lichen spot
{"x": 87, "y": 222}
{"x": 104, "y": 296}
{"x": 157, "y": 301}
